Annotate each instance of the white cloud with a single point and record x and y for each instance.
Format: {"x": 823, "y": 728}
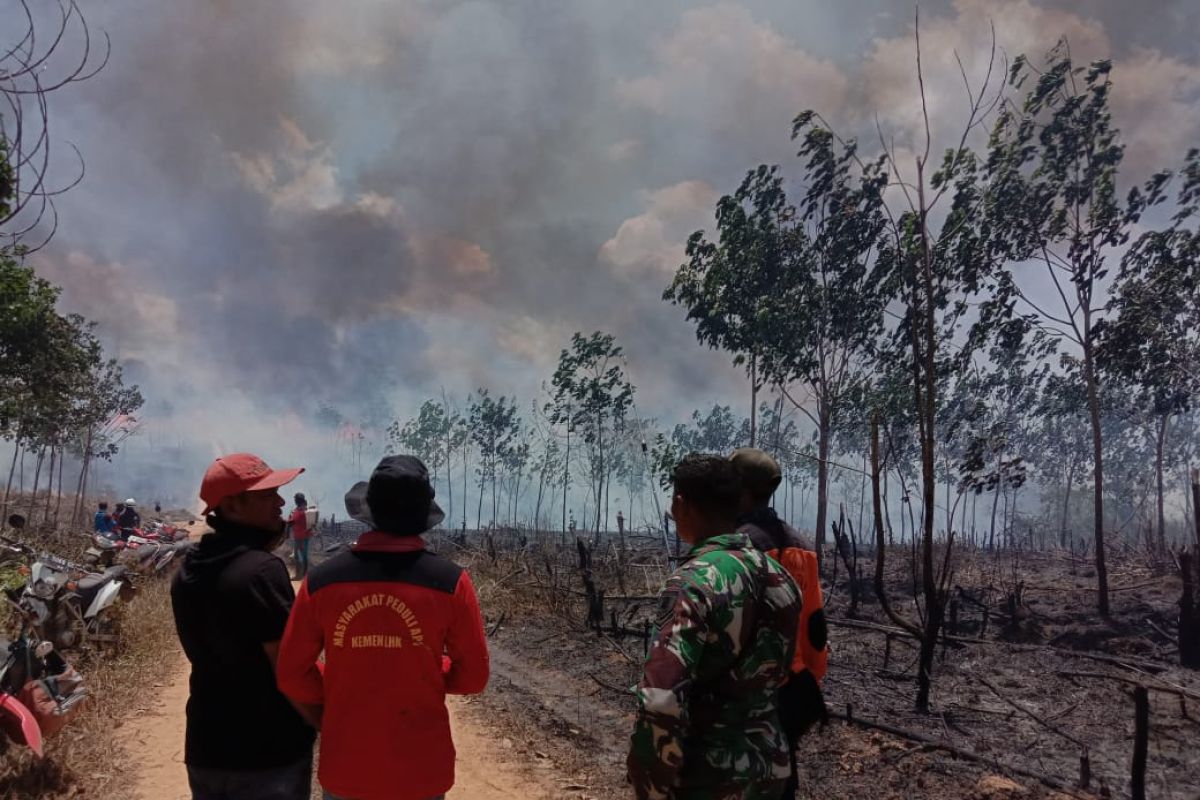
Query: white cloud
{"x": 298, "y": 176}
{"x": 730, "y": 71}
{"x": 652, "y": 243}
{"x": 1155, "y": 101}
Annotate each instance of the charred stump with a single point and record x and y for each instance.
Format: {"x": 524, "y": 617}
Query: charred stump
{"x": 595, "y": 597}
{"x": 1189, "y": 614}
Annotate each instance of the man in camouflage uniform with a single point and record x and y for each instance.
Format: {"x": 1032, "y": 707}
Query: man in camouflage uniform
{"x": 708, "y": 725}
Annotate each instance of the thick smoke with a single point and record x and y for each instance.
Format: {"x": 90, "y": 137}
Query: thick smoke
{"x": 360, "y": 205}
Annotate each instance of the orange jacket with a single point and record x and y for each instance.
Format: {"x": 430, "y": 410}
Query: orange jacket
{"x": 785, "y": 546}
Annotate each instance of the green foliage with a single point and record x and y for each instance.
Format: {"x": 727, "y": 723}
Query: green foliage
{"x": 56, "y": 387}
{"x": 1152, "y": 339}
{"x": 424, "y": 436}
{"x": 718, "y": 431}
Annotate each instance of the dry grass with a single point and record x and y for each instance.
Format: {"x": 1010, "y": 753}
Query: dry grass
{"x": 86, "y": 759}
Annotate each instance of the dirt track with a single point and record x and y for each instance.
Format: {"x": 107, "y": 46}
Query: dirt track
{"x": 487, "y": 769}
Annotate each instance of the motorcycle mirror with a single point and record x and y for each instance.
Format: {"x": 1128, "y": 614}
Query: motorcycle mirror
{"x": 16, "y": 521}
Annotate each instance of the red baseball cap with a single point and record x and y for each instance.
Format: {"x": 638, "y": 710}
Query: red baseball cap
{"x": 240, "y": 472}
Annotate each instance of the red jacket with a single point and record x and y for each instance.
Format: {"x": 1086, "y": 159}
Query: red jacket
{"x": 400, "y": 628}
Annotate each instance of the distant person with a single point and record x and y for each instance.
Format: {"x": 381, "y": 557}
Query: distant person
{"x": 103, "y": 521}
{"x": 231, "y": 597}
{"x": 400, "y": 629}
{"x": 801, "y": 703}
{"x": 707, "y": 723}
{"x": 300, "y": 533}
{"x": 129, "y": 519}
{"x": 157, "y": 508}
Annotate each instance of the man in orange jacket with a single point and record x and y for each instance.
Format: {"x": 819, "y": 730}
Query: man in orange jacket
{"x": 801, "y": 703}
{"x": 400, "y": 628}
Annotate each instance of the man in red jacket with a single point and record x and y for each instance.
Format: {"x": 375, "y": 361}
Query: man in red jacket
{"x": 400, "y": 628}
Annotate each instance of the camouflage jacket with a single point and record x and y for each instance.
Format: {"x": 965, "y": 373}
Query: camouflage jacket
{"x": 707, "y": 723}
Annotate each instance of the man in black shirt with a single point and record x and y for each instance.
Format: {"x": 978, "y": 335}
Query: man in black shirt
{"x": 231, "y": 599}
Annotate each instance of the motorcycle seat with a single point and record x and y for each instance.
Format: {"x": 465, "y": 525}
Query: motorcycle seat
{"x": 89, "y": 585}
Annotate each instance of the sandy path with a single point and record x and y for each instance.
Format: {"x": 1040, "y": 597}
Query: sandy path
{"x": 488, "y": 768}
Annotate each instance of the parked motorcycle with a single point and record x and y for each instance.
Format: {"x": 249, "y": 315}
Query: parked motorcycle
{"x": 71, "y": 611}
{"x": 39, "y": 691}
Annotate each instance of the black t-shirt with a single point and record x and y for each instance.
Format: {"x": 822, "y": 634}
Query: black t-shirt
{"x": 230, "y": 597}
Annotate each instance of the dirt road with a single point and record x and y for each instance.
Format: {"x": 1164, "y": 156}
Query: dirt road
{"x": 489, "y": 767}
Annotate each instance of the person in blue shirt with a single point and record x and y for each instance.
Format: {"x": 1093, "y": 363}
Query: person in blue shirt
{"x": 104, "y": 521}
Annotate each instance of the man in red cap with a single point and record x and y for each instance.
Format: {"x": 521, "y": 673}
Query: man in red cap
{"x": 231, "y": 599}
{"x": 400, "y": 629}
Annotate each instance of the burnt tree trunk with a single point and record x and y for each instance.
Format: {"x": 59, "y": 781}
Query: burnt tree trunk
{"x": 595, "y": 597}
{"x": 1093, "y": 397}
{"x": 1141, "y": 737}
{"x": 880, "y": 543}
{"x": 1189, "y": 615}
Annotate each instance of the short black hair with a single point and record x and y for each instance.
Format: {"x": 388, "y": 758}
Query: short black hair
{"x": 103, "y": 505}
{"x": 710, "y": 483}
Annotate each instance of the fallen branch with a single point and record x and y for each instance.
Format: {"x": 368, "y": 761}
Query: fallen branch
{"x": 930, "y": 743}
{"x": 1125, "y": 662}
{"x": 1148, "y": 681}
{"x": 996, "y": 691}
{"x": 609, "y": 686}
{"x": 496, "y": 626}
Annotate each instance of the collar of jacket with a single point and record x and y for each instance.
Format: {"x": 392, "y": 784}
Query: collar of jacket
{"x": 234, "y": 534}
{"x": 382, "y": 542}
{"x": 726, "y": 541}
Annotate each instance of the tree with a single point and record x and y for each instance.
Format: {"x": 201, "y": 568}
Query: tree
{"x": 433, "y": 436}
{"x": 932, "y": 277}
{"x": 494, "y": 426}
{"x": 1152, "y": 338}
{"x": 718, "y": 431}
{"x": 1061, "y": 437}
{"x": 1001, "y": 402}
{"x": 592, "y": 396}
{"x": 791, "y": 285}
{"x": 1053, "y": 165}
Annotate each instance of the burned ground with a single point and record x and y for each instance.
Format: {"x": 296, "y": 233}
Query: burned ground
{"x": 1034, "y": 689}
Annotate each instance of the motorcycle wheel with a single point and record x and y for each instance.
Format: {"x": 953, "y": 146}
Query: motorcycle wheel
{"x": 105, "y": 631}
{"x": 70, "y": 629}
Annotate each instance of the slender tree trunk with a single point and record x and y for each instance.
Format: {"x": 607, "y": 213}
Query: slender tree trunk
{"x": 927, "y": 412}
{"x": 466, "y": 476}
{"x": 1062, "y": 529}
{"x": 566, "y": 472}
{"x": 754, "y": 402}
{"x": 12, "y": 468}
{"x": 495, "y": 496}
{"x": 995, "y": 504}
{"x": 880, "y": 545}
{"x": 87, "y": 474}
{"x": 37, "y": 474}
{"x": 599, "y": 477}
{"x": 482, "y": 486}
{"x": 1158, "y": 475}
{"x": 58, "y": 500}
{"x": 537, "y": 509}
{"x": 823, "y": 434}
{"x": 49, "y": 486}
{"x": 1093, "y": 395}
